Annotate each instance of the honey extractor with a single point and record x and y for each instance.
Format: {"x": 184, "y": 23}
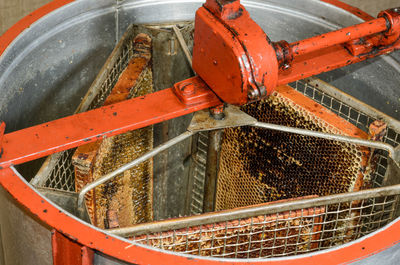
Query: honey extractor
{"x": 275, "y": 193}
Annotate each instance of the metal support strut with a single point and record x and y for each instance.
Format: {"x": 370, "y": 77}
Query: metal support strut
{"x": 234, "y": 118}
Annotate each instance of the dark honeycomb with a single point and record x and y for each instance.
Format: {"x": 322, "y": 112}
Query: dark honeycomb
{"x": 126, "y": 199}
{"x": 259, "y": 165}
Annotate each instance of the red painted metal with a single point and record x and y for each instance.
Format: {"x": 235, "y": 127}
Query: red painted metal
{"x": 379, "y": 34}
{"x": 85, "y": 234}
{"x": 67, "y": 252}
{"x": 339, "y": 48}
{"x": 55, "y": 136}
{"x": 232, "y": 54}
{"x": 193, "y": 93}
{"x": 338, "y": 37}
{"x": 24, "y": 145}
{"x": 333, "y": 57}
{"x": 238, "y": 62}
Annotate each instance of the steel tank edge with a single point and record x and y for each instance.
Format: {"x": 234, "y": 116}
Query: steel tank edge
{"x": 123, "y": 17}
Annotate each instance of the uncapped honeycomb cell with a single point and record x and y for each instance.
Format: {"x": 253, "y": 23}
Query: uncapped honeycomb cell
{"x": 129, "y": 194}
{"x": 259, "y": 165}
{"x": 127, "y": 199}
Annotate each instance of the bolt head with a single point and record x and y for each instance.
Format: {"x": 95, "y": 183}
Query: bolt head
{"x": 187, "y": 89}
{"x": 252, "y": 94}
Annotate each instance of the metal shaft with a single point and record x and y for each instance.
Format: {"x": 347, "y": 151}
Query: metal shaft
{"x": 328, "y": 136}
{"x": 131, "y": 164}
{"x": 210, "y": 185}
{"x": 339, "y": 36}
{"x": 251, "y": 211}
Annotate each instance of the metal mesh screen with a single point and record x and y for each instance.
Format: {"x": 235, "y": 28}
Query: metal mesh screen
{"x": 311, "y": 89}
{"x": 287, "y": 228}
{"x": 61, "y": 175}
{"x": 258, "y": 165}
{"x": 261, "y": 236}
{"x": 340, "y": 219}
{"x": 294, "y": 230}
{"x": 199, "y": 174}
{"x": 127, "y": 199}
{"x": 62, "y": 172}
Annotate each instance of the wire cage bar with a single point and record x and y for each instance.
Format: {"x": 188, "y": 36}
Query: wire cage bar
{"x": 271, "y": 229}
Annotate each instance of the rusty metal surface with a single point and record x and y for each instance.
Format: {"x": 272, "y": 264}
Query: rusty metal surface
{"x": 240, "y": 64}
{"x": 59, "y": 135}
{"x": 234, "y": 117}
{"x": 93, "y": 160}
{"x": 228, "y": 45}
{"x": 211, "y": 176}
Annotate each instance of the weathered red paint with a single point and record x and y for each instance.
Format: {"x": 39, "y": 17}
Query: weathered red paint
{"x": 333, "y": 57}
{"x": 232, "y": 54}
{"x": 55, "y": 136}
{"x": 238, "y": 62}
{"x": 193, "y": 93}
{"x": 339, "y": 48}
{"x": 340, "y": 36}
{"x": 86, "y": 235}
{"x": 67, "y": 252}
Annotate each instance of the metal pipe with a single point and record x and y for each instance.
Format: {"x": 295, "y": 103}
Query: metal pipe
{"x": 247, "y": 212}
{"x": 339, "y": 36}
{"x": 328, "y": 136}
{"x": 183, "y": 44}
{"x": 210, "y": 185}
{"x": 129, "y": 165}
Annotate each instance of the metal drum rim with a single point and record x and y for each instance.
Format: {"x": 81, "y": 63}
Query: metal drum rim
{"x": 117, "y": 247}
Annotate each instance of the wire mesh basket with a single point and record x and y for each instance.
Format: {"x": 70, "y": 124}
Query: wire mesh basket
{"x": 287, "y": 222}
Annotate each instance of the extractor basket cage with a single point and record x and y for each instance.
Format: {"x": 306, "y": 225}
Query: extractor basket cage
{"x": 236, "y": 192}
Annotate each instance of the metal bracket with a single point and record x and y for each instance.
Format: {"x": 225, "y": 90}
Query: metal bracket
{"x": 201, "y": 122}
{"x": 234, "y": 117}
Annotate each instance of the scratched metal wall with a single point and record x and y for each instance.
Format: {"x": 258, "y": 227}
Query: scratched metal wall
{"x": 13, "y": 10}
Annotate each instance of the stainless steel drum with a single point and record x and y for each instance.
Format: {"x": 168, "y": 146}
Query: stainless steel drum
{"x": 49, "y": 60}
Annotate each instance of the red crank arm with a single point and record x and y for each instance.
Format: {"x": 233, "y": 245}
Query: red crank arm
{"x": 59, "y": 135}
{"x": 236, "y": 59}
{"x": 339, "y": 48}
